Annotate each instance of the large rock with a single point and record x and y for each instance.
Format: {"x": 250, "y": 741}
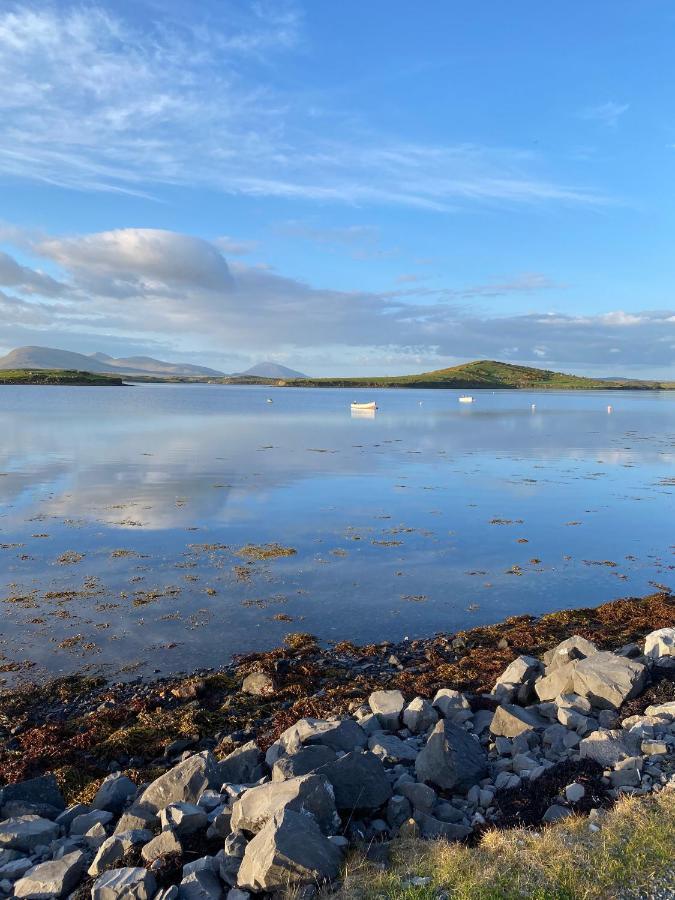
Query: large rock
{"x": 51, "y": 879}
{"x": 510, "y": 721}
{"x": 390, "y": 748}
{"x": 359, "y": 781}
{"x": 183, "y": 818}
{"x": 558, "y": 680}
{"x": 575, "y": 647}
{"x": 243, "y": 766}
{"x": 431, "y": 828}
{"x": 339, "y": 734}
{"x": 164, "y": 844}
{"x": 451, "y": 758}
{"x": 387, "y": 706}
{"x": 313, "y": 758}
{"x": 419, "y": 716}
{"x": 607, "y": 680}
{"x": 114, "y": 793}
{"x": 452, "y": 705}
{"x": 115, "y": 847}
{"x": 660, "y": 643}
{"x": 289, "y": 850}
{"x": 185, "y": 782}
{"x": 607, "y": 748}
{"x": 522, "y": 670}
{"x": 202, "y": 884}
{"x": 132, "y": 883}
{"x": 82, "y": 824}
{"x": 26, "y": 833}
{"x": 41, "y": 794}
{"x": 311, "y": 794}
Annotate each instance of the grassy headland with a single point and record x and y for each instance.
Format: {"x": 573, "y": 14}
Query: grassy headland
{"x": 57, "y": 376}
{"x": 486, "y": 374}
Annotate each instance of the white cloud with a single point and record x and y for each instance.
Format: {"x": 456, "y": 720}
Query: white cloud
{"x": 179, "y": 291}
{"x": 91, "y": 100}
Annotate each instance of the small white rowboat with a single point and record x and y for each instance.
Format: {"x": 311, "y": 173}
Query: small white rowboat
{"x": 466, "y": 399}
{"x": 371, "y": 405}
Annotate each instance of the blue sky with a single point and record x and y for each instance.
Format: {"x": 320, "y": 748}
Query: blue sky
{"x": 366, "y": 188}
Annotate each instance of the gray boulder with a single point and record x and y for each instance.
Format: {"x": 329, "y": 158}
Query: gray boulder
{"x": 313, "y": 758}
{"x": 339, "y": 734}
{"x": 134, "y": 819}
{"x": 558, "y": 680}
{"x": 163, "y": 844}
{"x": 522, "y": 670}
{"x": 387, "y": 706}
{"x": 41, "y": 796}
{"x": 660, "y": 643}
{"x": 311, "y": 794}
{"x": 431, "y": 828}
{"x": 115, "y": 847}
{"x": 243, "y": 766}
{"x": 359, "y": 781}
{"x": 390, "y": 748}
{"x": 575, "y": 647}
{"x": 183, "y": 818}
{"x": 51, "y": 879}
{"x": 82, "y": 824}
{"x": 421, "y": 796}
{"x": 510, "y": 721}
{"x": 607, "y": 747}
{"x": 202, "y": 884}
{"x": 419, "y": 716}
{"x": 607, "y": 680}
{"x": 289, "y": 850}
{"x": 131, "y": 883}
{"x": 451, "y": 758}
{"x": 27, "y": 832}
{"x": 452, "y": 705}
{"x": 185, "y": 782}
{"x": 114, "y": 793}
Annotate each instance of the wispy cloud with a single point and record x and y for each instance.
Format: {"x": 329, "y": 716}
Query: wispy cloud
{"x": 607, "y": 113}
{"x": 95, "y": 101}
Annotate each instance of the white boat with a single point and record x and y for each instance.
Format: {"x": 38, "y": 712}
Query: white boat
{"x": 371, "y": 405}
{"x": 466, "y": 399}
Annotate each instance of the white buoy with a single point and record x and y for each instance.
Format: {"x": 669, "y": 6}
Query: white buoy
{"x": 609, "y": 409}
{"x": 533, "y": 407}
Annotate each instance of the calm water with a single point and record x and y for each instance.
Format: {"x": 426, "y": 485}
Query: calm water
{"x": 123, "y": 511}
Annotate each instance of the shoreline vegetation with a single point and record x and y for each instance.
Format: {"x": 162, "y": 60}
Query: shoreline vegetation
{"x": 543, "y": 767}
{"x": 76, "y": 725}
{"x": 58, "y": 377}
{"x": 478, "y": 375}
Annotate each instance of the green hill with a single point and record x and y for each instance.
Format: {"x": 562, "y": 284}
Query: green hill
{"x": 56, "y": 376}
{"x": 486, "y": 374}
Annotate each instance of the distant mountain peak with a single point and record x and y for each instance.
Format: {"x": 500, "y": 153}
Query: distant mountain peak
{"x": 51, "y": 358}
{"x": 272, "y": 370}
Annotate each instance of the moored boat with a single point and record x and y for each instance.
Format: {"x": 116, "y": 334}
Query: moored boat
{"x": 466, "y": 399}
{"x": 371, "y": 405}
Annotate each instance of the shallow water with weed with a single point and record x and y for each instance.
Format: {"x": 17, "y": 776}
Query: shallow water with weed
{"x": 163, "y": 527}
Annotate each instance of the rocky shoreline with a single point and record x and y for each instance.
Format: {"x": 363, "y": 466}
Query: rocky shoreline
{"x": 265, "y": 773}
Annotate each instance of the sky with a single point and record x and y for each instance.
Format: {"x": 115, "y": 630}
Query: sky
{"x": 353, "y": 188}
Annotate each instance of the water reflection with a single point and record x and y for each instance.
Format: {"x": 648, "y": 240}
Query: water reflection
{"x": 133, "y": 503}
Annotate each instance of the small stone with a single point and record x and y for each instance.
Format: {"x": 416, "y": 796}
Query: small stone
{"x": 522, "y": 670}
{"x": 574, "y": 792}
{"x": 421, "y": 796}
{"x": 452, "y": 705}
{"x": 555, "y": 813}
{"x": 243, "y": 766}
{"x": 605, "y": 747}
{"x": 203, "y": 884}
{"x": 259, "y": 684}
{"x": 654, "y": 748}
{"x": 575, "y": 647}
{"x": 307, "y": 761}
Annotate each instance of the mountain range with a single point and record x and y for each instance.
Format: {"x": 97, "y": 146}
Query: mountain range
{"x": 101, "y": 363}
